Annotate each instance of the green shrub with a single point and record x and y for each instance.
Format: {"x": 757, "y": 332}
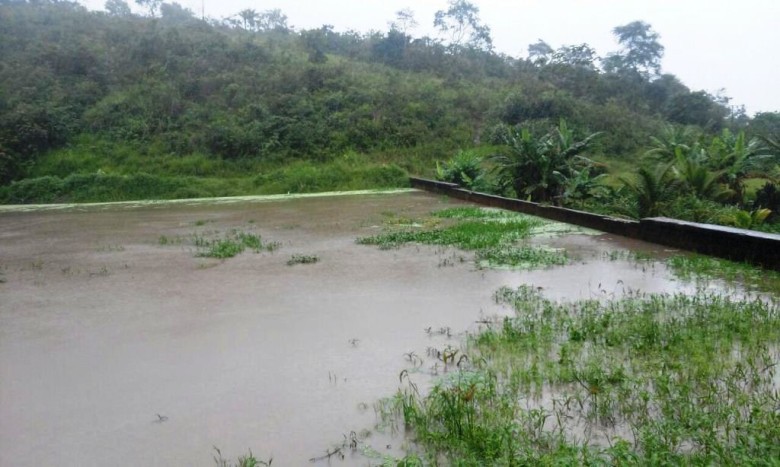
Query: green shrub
{"x": 34, "y": 190}
{"x": 465, "y": 169}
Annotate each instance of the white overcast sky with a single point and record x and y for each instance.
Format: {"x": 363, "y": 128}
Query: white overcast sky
{"x": 710, "y": 44}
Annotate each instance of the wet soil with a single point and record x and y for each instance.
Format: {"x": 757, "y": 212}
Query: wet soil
{"x": 102, "y": 327}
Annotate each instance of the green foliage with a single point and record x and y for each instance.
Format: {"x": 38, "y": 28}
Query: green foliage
{"x": 538, "y": 168}
{"x": 747, "y": 219}
{"x": 695, "y": 108}
{"x": 99, "y": 187}
{"x": 697, "y": 178}
{"x": 115, "y": 92}
{"x": 652, "y": 188}
{"x": 641, "y": 52}
{"x": 690, "y": 208}
{"x": 704, "y": 179}
{"x": 351, "y": 172}
{"x": 465, "y": 169}
{"x": 737, "y": 157}
{"x": 460, "y": 22}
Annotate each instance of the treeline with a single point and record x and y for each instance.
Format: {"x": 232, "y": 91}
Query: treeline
{"x": 176, "y": 95}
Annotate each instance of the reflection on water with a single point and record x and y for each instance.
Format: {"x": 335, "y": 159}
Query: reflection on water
{"x": 118, "y": 347}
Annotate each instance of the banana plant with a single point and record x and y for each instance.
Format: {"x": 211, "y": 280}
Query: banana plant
{"x": 736, "y": 158}
{"x": 536, "y": 168}
{"x": 672, "y": 139}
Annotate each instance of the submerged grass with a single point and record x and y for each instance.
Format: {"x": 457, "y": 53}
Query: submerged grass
{"x": 473, "y": 212}
{"x": 650, "y": 380}
{"x": 233, "y": 243}
{"x": 689, "y": 267}
{"x": 493, "y": 234}
{"x": 467, "y": 235}
{"x": 524, "y": 257}
{"x": 302, "y": 259}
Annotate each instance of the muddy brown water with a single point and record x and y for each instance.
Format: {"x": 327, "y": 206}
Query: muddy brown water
{"x": 102, "y": 328}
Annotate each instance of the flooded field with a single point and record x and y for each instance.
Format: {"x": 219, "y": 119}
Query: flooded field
{"x": 120, "y": 344}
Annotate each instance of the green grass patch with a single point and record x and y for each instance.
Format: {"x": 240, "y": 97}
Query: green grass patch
{"x": 494, "y": 235}
{"x": 650, "y": 380}
{"x": 344, "y": 174}
{"x": 467, "y": 235}
{"x": 231, "y": 244}
{"x": 473, "y": 212}
{"x": 521, "y": 257}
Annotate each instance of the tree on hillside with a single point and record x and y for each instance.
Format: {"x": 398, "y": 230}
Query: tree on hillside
{"x": 641, "y": 53}
{"x": 390, "y": 49}
{"x": 151, "y": 5}
{"x": 175, "y": 13}
{"x": 582, "y": 56}
{"x": 404, "y": 21}
{"x": 766, "y": 125}
{"x": 249, "y": 17}
{"x": 117, "y": 8}
{"x": 540, "y": 53}
{"x": 696, "y": 108}
{"x": 272, "y": 20}
{"x": 460, "y": 22}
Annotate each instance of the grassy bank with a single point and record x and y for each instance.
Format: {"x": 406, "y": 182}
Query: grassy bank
{"x": 298, "y": 177}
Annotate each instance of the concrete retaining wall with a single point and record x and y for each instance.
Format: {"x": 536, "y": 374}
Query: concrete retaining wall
{"x": 725, "y": 242}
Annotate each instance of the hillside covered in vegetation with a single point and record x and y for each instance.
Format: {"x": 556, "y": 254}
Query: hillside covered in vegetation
{"x": 113, "y": 105}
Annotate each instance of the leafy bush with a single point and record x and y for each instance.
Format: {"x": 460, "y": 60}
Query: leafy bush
{"x": 99, "y": 187}
{"x": 34, "y": 190}
{"x": 465, "y": 169}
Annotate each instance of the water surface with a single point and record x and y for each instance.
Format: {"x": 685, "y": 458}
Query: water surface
{"x": 102, "y": 328}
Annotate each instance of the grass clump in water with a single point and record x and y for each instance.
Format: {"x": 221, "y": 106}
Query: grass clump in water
{"x": 303, "y": 259}
{"x": 525, "y": 257}
{"x": 701, "y": 267}
{"x": 647, "y": 380}
{"x": 467, "y": 235}
{"x": 232, "y": 244}
{"x": 473, "y": 212}
{"x": 492, "y": 234}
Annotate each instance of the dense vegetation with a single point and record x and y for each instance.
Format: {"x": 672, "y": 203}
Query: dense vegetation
{"x": 114, "y": 105}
